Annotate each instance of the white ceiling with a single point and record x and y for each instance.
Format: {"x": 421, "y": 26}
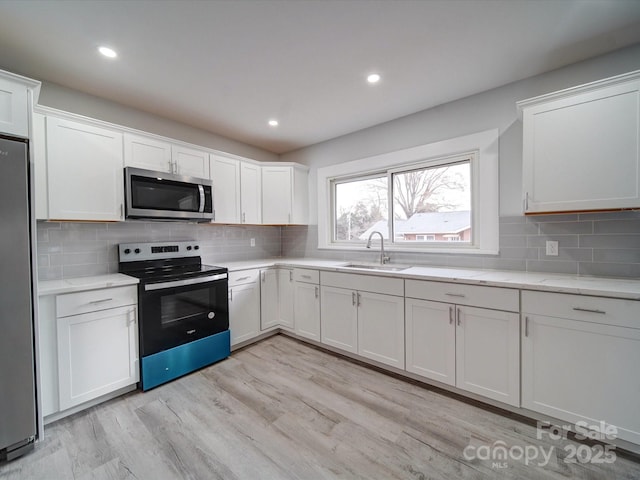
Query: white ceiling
{"x": 229, "y": 66}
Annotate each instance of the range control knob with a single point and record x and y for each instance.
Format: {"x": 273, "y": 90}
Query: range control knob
{"x": 189, "y": 247}
{"x": 211, "y": 315}
{"x": 196, "y": 247}
{"x": 137, "y": 250}
{"x": 127, "y": 251}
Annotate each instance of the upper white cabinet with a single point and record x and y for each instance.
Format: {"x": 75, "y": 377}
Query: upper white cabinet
{"x": 84, "y": 171}
{"x": 15, "y": 104}
{"x": 154, "y": 154}
{"x": 581, "y": 147}
{"x": 147, "y": 153}
{"x": 250, "y": 193}
{"x": 284, "y": 194}
{"x": 225, "y": 175}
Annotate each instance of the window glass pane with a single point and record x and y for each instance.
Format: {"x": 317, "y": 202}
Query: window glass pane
{"x": 360, "y": 207}
{"x": 433, "y": 204}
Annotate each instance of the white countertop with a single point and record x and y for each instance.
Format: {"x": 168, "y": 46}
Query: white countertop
{"x": 79, "y": 284}
{"x": 549, "y": 282}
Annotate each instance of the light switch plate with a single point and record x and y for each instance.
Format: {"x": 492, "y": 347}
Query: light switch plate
{"x": 552, "y": 248}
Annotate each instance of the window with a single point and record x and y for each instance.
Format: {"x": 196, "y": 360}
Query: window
{"x": 421, "y": 199}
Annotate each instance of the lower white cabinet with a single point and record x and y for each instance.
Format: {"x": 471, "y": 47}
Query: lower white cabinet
{"x": 471, "y": 348}
{"x": 577, "y": 360}
{"x": 244, "y": 306}
{"x": 269, "y": 299}
{"x": 97, "y": 354}
{"x": 285, "y": 297}
{"x": 367, "y": 322}
{"x": 306, "y": 301}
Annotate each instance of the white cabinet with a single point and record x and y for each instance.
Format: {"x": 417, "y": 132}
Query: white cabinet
{"x": 14, "y": 107}
{"x": 363, "y": 319}
{"x": 225, "y": 175}
{"x": 250, "y": 193}
{"x": 244, "y": 305}
{"x": 269, "y": 298}
{"x": 306, "y": 301}
{"x": 284, "y": 195}
{"x": 578, "y": 356}
{"x": 459, "y": 344}
{"x": 85, "y": 171}
{"x": 148, "y": 153}
{"x": 155, "y": 154}
{"x": 581, "y": 147}
{"x": 285, "y": 297}
{"x": 190, "y": 162}
{"x": 97, "y": 344}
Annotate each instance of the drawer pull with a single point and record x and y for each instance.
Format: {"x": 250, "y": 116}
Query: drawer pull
{"x": 459, "y": 295}
{"x": 242, "y": 278}
{"x": 306, "y": 276}
{"x": 353, "y": 298}
{"x": 317, "y": 292}
{"x": 450, "y": 315}
{"x": 589, "y": 310}
{"x": 526, "y": 326}
{"x": 95, "y": 302}
{"x": 458, "y": 315}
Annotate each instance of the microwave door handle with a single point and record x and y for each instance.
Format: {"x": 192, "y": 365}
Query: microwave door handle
{"x": 201, "y": 190}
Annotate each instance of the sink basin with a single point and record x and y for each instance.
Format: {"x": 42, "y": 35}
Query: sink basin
{"x": 376, "y": 266}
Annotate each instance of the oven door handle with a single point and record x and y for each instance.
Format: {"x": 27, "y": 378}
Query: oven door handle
{"x": 181, "y": 283}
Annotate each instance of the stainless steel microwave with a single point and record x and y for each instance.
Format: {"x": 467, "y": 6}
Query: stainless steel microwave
{"x": 160, "y": 195}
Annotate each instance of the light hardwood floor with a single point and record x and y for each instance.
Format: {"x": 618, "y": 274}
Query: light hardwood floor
{"x": 281, "y": 409}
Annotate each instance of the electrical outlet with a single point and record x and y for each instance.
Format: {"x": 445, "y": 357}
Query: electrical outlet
{"x": 552, "y": 248}
{"x": 253, "y": 243}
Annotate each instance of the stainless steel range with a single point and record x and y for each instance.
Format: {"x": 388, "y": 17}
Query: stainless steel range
{"x": 183, "y": 309}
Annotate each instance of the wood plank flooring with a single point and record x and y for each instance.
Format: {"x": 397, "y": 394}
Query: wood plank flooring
{"x": 281, "y": 409}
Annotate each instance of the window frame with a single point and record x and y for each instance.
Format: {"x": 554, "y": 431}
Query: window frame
{"x": 482, "y": 150}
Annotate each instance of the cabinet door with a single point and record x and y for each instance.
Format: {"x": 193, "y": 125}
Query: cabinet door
{"x": 148, "y": 153}
{"x": 85, "y": 176}
{"x": 431, "y": 340}
{"x": 190, "y": 162}
{"x": 225, "y": 175}
{"x": 307, "y": 310}
{"x": 97, "y": 354}
{"x": 244, "y": 312}
{"x": 576, "y": 371}
{"x": 488, "y": 353}
{"x": 381, "y": 328}
{"x": 276, "y": 195}
{"x": 269, "y": 311}
{"x": 285, "y": 296}
{"x": 339, "y": 318}
{"x": 582, "y": 152}
{"x": 14, "y": 108}
{"x": 250, "y": 193}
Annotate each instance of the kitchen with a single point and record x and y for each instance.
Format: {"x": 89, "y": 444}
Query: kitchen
{"x": 283, "y": 251}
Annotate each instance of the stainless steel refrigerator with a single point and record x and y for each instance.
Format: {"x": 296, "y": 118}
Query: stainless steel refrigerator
{"x": 17, "y": 373}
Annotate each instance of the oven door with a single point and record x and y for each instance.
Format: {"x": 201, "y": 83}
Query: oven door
{"x": 176, "y": 312}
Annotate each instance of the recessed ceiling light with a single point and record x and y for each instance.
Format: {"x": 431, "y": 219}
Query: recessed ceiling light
{"x": 108, "y": 52}
{"x": 373, "y": 78}
{"x": 273, "y": 123}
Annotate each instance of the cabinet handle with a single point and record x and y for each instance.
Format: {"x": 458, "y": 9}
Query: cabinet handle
{"x": 526, "y": 201}
{"x": 263, "y": 276}
{"x": 95, "y": 302}
{"x": 242, "y": 278}
{"x": 231, "y": 294}
{"x": 526, "y": 326}
{"x": 306, "y": 276}
{"x": 458, "y": 316}
{"x": 589, "y": 310}
{"x": 317, "y": 292}
{"x": 291, "y": 275}
{"x": 353, "y": 298}
{"x": 450, "y": 315}
{"x": 288, "y": 218}
{"x": 121, "y": 211}
{"x": 359, "y": 299}
{"x": 244, "y": 217}
{"x": 459, "y": 295}
{"x": 214, "y": 214}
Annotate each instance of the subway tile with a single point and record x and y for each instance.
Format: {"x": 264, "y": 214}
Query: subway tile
{"x": 617, "y": 226}
{"x": 505, "y": 264}
{"x": 518, "y": 229}
{"x": 566, "y": 228}
{"x": 49, "y": 273}
{"x": 512, "y": 219}
{"x": 43, "y": 260}
{"x": 572, "y": 217}
{"x": 70, "y": 271}
{"x": 87, "y": 258}
{"x": 598, "y": 269}
{"x": 466, "y": 261}
{"x": 545, "y": 266}
{"x": 522, "y": 253}
{"x": 622, "y": 255}
{"x": 513, "y": 241}
{"x": 626, "y": 214}
{"x": 610, "y": 241}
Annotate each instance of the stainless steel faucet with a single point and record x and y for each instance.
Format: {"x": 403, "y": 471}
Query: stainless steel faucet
{"x": 383, "y": 258}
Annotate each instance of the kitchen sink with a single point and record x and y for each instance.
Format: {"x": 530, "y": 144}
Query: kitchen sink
{"x": 377, "y": 266}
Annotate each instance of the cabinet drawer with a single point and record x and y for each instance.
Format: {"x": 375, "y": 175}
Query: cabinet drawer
{"x": 243, "y": 276}
{"x": 608, "y": 311}
{"x": 94, "y": 300}
{"x": 365, "y": 283}
{"x": 496, "y": 298}
{"x": 306, "y": 275}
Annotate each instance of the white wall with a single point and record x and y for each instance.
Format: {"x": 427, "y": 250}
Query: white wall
{"x": 62, "y": 98}
{"x": 492, "y": 109}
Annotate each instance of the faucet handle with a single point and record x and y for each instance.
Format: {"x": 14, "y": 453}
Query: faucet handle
{"x": 386, "y": 259}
